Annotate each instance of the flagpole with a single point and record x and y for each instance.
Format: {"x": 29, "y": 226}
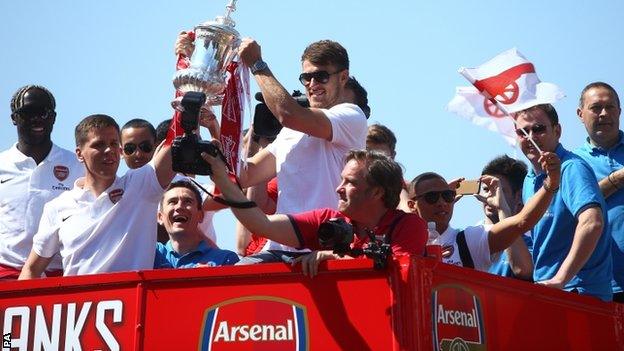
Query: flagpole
{"x": 498, "y": 104}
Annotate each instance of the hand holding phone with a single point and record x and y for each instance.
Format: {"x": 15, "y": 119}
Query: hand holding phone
{"x": 469, "y": 187}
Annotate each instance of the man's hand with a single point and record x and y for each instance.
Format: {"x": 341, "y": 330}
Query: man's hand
{"x": 454, "y": 184}
{"x": 552, "y": 283}
{"x": 310, "y": 262}
{"x": 552, "y": 166}
{"x": 208, "y": 120}
{"x": 494, "y": 195}
{"x": 219, "y": 169}
{"x": 249, "y": 51}
{"x": 184, "y": 45}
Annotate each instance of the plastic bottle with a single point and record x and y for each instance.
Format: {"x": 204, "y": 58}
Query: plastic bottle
{"x": 433, "y": 234}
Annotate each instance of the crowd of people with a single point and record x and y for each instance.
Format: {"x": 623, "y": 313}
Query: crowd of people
{"x": 558, "y": 222}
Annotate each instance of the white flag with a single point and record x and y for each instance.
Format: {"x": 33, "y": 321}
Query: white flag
{"x": 473, "y": 106}
{"x": 511, "y": 79}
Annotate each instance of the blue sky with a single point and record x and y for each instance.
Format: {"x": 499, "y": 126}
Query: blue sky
{"x": 116, "y": 57}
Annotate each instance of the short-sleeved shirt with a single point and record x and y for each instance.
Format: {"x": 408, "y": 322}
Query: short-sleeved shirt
{"x": 477, "y": 242}
{"x": 114, "y": 232}
{"x": 25, "y": 187}
{"x": 605, "y": 162}
{"x": 409, "y": 235}
{"x": 554, "y": 233}
{"x": 308, "y": 168}
{"x": 166, "y": 257}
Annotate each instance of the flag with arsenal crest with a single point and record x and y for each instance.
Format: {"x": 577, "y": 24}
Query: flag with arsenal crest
{"x": 506, "y": 84}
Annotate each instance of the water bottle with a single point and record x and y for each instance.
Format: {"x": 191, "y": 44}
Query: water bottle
{"x": 433, "y": 234}
{"x": 433, "y": 249}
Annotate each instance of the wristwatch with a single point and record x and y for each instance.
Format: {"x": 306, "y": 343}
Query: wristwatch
{"x": 258, "y": 66}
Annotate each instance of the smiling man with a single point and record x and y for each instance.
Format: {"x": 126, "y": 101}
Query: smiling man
{"x": 368, "y": 194}
{"x": 570, "y": 248}
{"x": 599, "y": 110}
{"x": 32, "y": 172}
{"x": 138, "y": 142}
{"x": 308, "y": 154}
{"x": 105, "y": 223}
{"x": 181, "y": 214}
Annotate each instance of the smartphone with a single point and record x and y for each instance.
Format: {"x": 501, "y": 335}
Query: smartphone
{"x": 469, "y": 187}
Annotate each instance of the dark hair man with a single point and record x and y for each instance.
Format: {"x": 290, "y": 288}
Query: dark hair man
{"x": 368, "y": 196}
{"x": 181, "y": 214}
{"x": 433, "y": 198}
{"x": 32, "y": 172}
{"x": 599, "y": 110}
{"x": 570, "y": 251}
{"x": 381, "y": 138}
{"x": 105, "y": 223}
{"x": 138, "y": 142}
{"x": 516, "y": 261}
{"x": 307, "y": 155}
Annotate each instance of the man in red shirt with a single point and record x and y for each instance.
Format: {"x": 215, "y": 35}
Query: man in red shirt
{"x": 368, "y": 196}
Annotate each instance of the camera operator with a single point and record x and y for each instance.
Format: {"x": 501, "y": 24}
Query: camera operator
{"x": 368, "y": 196}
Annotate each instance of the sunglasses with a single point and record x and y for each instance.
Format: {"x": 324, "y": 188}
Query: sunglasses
{"x": 319, "y": 76}
{"x": 432, "y": 197}
{"x": 144, "y": 146}
{"x": 43, "y": 114}
{"x": 536, "y": 129}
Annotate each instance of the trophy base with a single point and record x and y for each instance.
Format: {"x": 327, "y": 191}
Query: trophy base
{"x": 196, "y": 80}
{"x": 215, "y": 101}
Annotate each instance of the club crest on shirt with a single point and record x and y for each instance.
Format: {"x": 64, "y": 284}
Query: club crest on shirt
{"x": 447, "y": 251}
{"x": 61, "y": 172}
{"x": 115, "y": 195}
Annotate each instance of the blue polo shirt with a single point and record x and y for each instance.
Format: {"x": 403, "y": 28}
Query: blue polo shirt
{"x": 604, "y": 162}
{"x": 501, "y": 266}
{"x": 166, "y": 257}
{"x": 554, "y": 233}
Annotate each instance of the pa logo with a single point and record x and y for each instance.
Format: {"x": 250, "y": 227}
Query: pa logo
{"x": 255, "y": 323}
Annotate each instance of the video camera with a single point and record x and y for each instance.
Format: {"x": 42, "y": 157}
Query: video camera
{"x": 265, "y": 125}
{"x": 186, "y": 150}
{"x": 337, "y": 235}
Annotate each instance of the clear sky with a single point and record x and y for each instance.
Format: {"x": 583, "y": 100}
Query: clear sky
{"x": 116, "y": 57}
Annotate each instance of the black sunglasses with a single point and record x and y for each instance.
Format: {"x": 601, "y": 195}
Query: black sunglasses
{"x": 536, "y": 129}
{"x": 432, "y": 197}
{"x": 319, "y": 76}
{"x": 29, "y": 114}
{"x": 144, "y": 146}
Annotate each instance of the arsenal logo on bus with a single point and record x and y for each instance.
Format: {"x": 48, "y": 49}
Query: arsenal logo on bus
{"x": 61, "y": 172}
{"x": 255, "y": 323}
{"x": 457, "y": 319}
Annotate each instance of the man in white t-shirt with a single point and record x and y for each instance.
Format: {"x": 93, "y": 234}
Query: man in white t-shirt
{"x": 32, "y": 172}
{"x": 477, "y": 246}
{"x": 105, "y": 223}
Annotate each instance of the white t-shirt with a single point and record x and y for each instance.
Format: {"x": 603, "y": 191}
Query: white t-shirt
{"x": 308, "y": 168}
{"x": 114, "y": 232}
{"x": 25, "y": 187}
{"x": 477, "y": 242}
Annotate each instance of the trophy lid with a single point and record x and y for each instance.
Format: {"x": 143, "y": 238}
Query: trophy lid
{"x": 222, "y": 23}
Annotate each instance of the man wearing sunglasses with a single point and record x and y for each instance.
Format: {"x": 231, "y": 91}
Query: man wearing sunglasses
{"x": 307, "y": 155}
{"x": 571, "y": 250}
{"x": 599, "y": 110}
{"x": 32, "y": 172}
{"x": 477, "y": 246}
{"x": 138, "y": 142}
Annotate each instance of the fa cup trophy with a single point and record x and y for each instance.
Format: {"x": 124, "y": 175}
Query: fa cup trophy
{"x": 216, "y": 43}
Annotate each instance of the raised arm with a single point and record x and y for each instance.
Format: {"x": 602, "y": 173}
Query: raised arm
{"x": 162, "y": 164}
{"x": 505, "y": 232}
{"x": 290, "y": 114}
{"x": 276, "y": 227}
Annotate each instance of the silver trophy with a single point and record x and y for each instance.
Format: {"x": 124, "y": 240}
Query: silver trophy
{"x": 216, "y": 44}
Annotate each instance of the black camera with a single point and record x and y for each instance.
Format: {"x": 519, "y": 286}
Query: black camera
{"x": 186, "y": 150}
{"x": 336, "y": 234}
{"x": 265, "y": 125}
